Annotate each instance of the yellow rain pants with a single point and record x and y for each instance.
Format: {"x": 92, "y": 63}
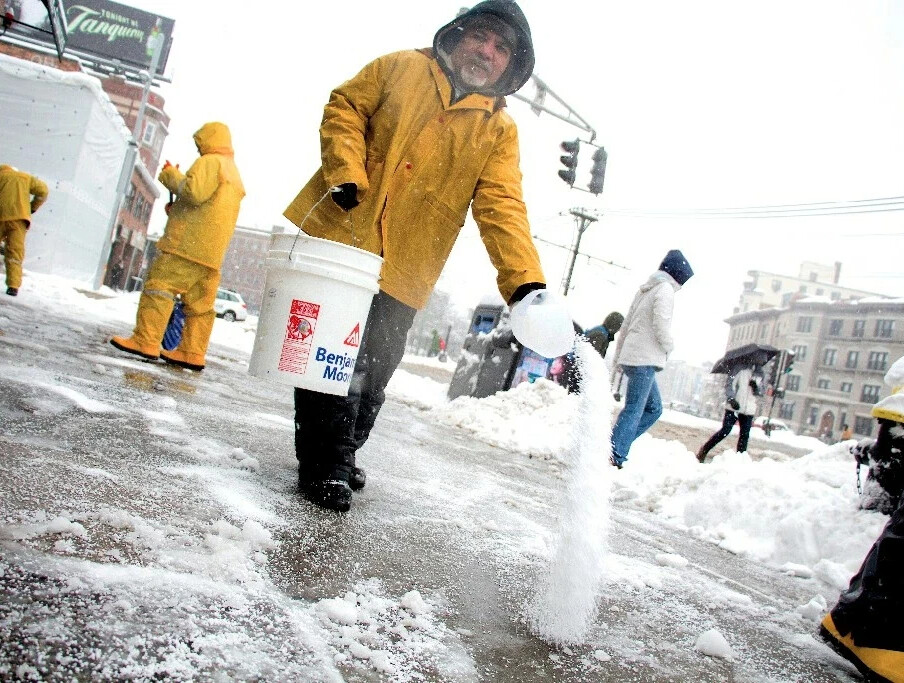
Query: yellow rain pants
{"x": 12, "y": 234}
{"x": 171, "y": 275}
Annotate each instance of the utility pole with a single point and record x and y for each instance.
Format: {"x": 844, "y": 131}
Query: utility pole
{"x": 583, "y": 220}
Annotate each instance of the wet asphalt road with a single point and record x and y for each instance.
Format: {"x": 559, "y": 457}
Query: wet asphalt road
{"x": 442, "y": 512}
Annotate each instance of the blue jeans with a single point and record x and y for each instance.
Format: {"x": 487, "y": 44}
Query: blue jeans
{"x": 643, "y": 406}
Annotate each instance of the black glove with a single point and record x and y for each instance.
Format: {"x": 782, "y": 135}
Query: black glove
{"x": 523, "y": 291}
{"x": 345, "y": 196}
{"x": 733, "y": 404}
{"x": 862, "y": 451}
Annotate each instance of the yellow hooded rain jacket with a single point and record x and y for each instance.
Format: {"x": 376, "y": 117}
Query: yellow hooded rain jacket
{"x": 16, "y": 190}
{"x": 202, "y": 219}
{"x": 419, "y": 162}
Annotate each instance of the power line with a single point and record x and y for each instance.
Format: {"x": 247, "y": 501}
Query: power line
{"x": 857, "y": 206}
{"x": 587, "y": 256}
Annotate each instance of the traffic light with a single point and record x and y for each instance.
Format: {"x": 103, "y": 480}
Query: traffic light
{"x": 781, "y": 366}
{"x": 788, "y": 361}
{"x": 570, "y": 160}
{"x": 598, "y": 171}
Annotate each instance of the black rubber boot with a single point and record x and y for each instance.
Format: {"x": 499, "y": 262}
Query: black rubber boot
{"x": 331, "y": 494}
{"x": 357, "y": 479}
{"x": 12, "y": 291}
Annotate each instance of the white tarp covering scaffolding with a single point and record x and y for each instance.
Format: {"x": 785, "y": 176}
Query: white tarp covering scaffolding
{"x": 62, "y": 127}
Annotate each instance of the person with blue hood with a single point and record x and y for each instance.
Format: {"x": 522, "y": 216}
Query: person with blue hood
{"x": 643, "y": 346}
{"x": 407, "y": 146}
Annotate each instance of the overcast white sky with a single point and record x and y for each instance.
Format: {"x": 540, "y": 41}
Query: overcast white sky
{"x": 701, "y": 104}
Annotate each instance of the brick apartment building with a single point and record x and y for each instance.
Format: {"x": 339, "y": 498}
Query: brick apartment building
{"x": 842, "y": 346}
{"x": 774, "y": 290}
{"x": 131, "y": 231}
{"x": 244, "y": 268}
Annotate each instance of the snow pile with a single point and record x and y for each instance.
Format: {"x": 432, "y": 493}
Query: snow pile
{"x": 565, "y": 604}
{"x": 784, "y": 511}
{"x": 533, "y": 418}
{"x": 895, "y": 375}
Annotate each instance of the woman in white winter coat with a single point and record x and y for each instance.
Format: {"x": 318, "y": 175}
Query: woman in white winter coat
{"x": 644, "y": 343}
{"x": 741, "y": 390}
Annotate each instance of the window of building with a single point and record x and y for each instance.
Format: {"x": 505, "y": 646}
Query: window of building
{"x": 870, "y": 393}
{"x": 835, "y": 296}
{"x": 846, "y": 387}
{"x": 835, "y": 327}
{"x": 793, "y": 383}
{"x": 852, "y": 358}
{"x": 786, "y": 410}
{"x": 800, "y": 352}
{"x": 828, "y": 357}
{"x": 802, "y": 289}
{"x": 804, "y": 324}
{"x": 820, "y": 291}
{"x": 859, "y": 327}
{"x": 878, "y": 360}
{"x": 130, "y": 197}
{"x": 150, "y": 130}
{"x": 885, "y": 328}
{"x": 776, "y": 286}
{"x": 814, "y": 413}
{"x": 786, "y": 300}
{"x": 863, "y": 425}
{"x": 822, "y": 383}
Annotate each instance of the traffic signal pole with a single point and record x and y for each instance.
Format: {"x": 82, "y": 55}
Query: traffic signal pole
{"x": 783, "y": 367}
{"x": 584, "y": 220}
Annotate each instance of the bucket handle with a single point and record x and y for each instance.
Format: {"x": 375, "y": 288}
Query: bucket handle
{"x": 310, "y": 211}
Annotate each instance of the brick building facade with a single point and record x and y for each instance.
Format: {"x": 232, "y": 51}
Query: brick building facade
{"x": 842, "y": 352}
{"x": 243, "y": 266}
{"x": 131, "y": 230}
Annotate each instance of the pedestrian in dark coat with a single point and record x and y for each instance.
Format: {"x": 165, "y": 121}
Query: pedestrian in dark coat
{"x": 865, "y": 625}
{"x": 601, "y": 335}
{"x": 741, "y": 392}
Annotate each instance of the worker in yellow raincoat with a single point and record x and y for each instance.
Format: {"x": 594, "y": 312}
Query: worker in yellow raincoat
{"x": 21, "y": 195}
{"x": 408, "y": 145}
{"x": 865, "y": 624}
{"x": 198, "y": 230}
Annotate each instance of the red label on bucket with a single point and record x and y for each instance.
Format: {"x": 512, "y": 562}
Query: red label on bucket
{"x": 299, "y": 333}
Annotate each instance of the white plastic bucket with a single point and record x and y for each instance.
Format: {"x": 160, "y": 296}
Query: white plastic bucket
{"x": 316, "y": 299}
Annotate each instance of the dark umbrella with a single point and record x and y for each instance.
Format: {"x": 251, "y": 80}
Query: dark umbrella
{"x": 744, "y": 357}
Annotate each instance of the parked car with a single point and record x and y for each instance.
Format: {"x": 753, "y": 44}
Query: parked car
{"x": 773, "y": 426}
{"x": 230, "y": 306}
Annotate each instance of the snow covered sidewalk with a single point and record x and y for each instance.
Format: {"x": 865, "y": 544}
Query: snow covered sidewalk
{"x": 151, "y": 528}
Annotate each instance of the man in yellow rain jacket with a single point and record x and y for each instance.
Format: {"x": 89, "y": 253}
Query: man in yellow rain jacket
{"x": 198, "y": 230}
{"x": 407, "y": 146}
{"x": 20, "y": 196}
